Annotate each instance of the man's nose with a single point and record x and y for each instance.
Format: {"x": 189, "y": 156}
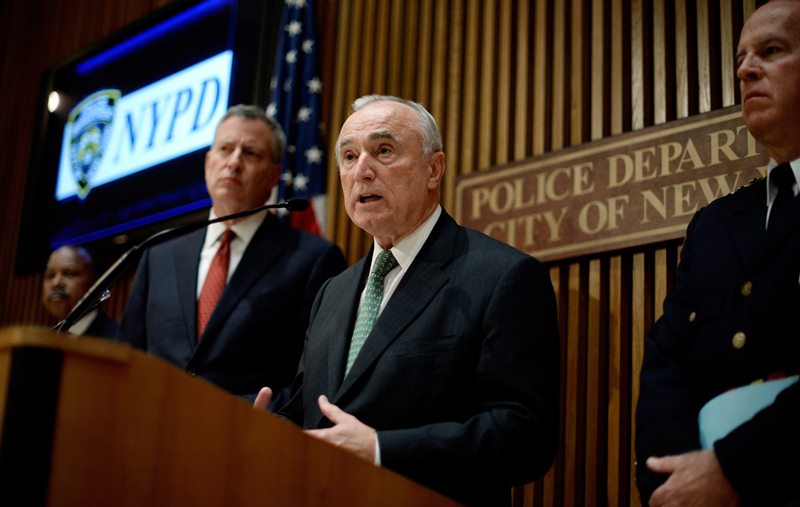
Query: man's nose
{"x": 235, "y": 158}
{"x": 363, "y": 169}
{"x": 748, "y": 69}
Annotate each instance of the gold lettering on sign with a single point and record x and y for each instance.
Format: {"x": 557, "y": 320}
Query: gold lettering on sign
{"x": 628, "y": 190}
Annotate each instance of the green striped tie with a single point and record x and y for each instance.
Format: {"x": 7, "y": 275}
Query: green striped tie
{"x": 370, "y": 305}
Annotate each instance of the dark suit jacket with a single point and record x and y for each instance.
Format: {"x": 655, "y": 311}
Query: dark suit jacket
{"x": 102, "y": 326}
{"x": 254, "y": 338}
{"x": 460, "y": 375}
{"x": 690, "y": 356}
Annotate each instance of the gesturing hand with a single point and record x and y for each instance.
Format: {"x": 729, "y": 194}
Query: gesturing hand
{"x": 347, "y": 431}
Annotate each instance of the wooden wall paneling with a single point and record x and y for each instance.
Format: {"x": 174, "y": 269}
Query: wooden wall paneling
{"x": 727, "y": 49}
{"x": 380, "y": 54}
{"x": 367, "y": 65}
{"x": 540, "y": 130}
{"x": 552, "y": 483}
{"x": 594, "y": 440}
{"x": 578, "y": 78}
{"x": 396, "y": 58}
{"x": 558, "y": 74}
{"x": 618, "y": 78}
{"x": 597, "y": 99}
{"x": 522, "y": 84}
{"x": 469, "y": 139}
{"x": 408, "y": 39}
{"x": 641, "y": 301}
{"x": 502, "y": 143}
{"x": 637, "y": 65}
{"x": 660, "y": 281}
{"x": 456, "y": 98}
{"x": 487, "y": 120}
{"x": 659, "y": 62}
{"x": 681, "y": 61}
{"x": 441, "y": 55}
{"x": 424, "y": 54}
{"x": 615, "y": 327}
{"x": 573, "y": 465}
{"x": 703, "y": 57}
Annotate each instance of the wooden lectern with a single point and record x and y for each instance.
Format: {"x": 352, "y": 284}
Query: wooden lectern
{"x": 90, "y": 422}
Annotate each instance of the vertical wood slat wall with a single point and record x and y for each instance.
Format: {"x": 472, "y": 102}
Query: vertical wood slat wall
{"x": 507, "y": 80}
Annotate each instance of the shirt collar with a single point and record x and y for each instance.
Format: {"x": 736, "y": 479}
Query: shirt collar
{"x": 245, "y": 228}
{"x": 406, "y": 250}
{"x": 772, "y": 192}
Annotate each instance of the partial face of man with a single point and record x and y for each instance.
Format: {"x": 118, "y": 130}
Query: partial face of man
{"x": 66, "y": 279}
{"x": 389, "y": 187}
{"x": 768, "y": 61}
{"x": 240, "y": 172}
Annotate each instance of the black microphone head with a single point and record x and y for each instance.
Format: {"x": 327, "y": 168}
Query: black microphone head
{"x": 297, "y": 204}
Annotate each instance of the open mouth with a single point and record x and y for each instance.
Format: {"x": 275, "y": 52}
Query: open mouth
{"x": 363, "y": 199}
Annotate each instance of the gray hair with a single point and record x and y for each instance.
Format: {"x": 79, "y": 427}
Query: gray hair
{"x": 252, "y": 112}
{"x": 426, "y": 124}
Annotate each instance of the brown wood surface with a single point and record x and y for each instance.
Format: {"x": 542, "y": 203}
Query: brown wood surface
{"x": 133, "y": 430}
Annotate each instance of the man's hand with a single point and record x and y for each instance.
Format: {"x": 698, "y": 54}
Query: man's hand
{"x": 263, "y": 398}
{"x": 696, "y": 479}
{"x": 347, "y": 431}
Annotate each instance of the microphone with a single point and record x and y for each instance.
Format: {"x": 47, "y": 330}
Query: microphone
{"x": 99, "y": 292}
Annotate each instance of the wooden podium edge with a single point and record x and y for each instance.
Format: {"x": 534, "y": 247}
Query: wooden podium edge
{"x": 255, "y": 458}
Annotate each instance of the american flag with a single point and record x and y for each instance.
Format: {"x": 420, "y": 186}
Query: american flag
{"x": 295, "y": 103}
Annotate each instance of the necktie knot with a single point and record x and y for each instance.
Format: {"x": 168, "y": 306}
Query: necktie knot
{"x": 384, "y": 263}
{"x": 783, "y": 178}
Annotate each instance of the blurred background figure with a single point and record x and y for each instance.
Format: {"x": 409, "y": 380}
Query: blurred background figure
{"x": 69, "y": 274}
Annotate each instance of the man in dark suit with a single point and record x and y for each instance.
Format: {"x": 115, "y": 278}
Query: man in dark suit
{"x": 457, "y": 384}
{"x": 230, "y": 302}
{"x": 69, "y": 274}
{"x": 731, "y": 319}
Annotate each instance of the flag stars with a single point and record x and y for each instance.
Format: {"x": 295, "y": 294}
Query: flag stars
{"x": 291, "y": 56}
{"x": 314, "y": 85}
{"x": 300, "y": 182}
{"x": 314, "y": 155}
{"x": 287, "y": 85}
{"x": 304, "y": 114}
{"x": 294, "y": 28}
{"x": 287, "y": 178}
{"x": 299, "y": 4}
{"x": 272, "y": 109}
{"x": 291, "y": 148}
{"x": 308, "y": 46}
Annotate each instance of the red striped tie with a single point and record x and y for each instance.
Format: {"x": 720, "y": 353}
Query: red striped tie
{"x": 215, "y": 282}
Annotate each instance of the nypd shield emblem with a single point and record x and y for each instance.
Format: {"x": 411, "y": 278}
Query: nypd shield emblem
{"x": 89, "y": 127}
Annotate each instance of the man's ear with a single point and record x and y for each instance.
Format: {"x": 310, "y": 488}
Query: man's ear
{"x": 436, "y": 165}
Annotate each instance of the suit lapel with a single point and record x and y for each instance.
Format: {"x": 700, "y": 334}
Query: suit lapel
{"x": 186, "y": 262}
{"x": 342, "y": 328}
{"x": 267, "y": 244}
{"x": 422, "y": 282}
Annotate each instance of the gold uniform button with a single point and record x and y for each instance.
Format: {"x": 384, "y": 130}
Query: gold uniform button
{"x": 692, "y": 316}
{"x": 747, "y": 288}
{"x": 739, "y": 340}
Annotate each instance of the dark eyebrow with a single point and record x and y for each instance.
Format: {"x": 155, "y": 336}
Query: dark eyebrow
{"x": 765, "y": 42}
{"x": 382, "y": 134}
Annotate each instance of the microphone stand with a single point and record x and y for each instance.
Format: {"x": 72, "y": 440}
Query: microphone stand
{"x": 99, "y": 292}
